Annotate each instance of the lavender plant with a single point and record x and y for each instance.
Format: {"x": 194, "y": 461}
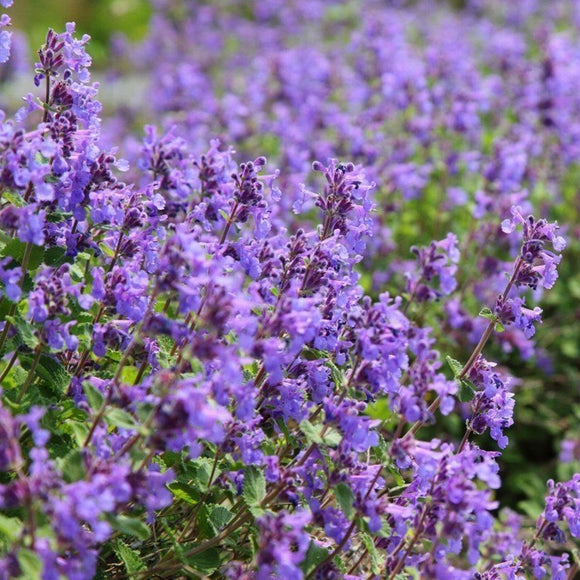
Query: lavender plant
{"x": 246, "y": 369}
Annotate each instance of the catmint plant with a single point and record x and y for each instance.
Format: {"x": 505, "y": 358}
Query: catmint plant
{"x": 279, "y": 320}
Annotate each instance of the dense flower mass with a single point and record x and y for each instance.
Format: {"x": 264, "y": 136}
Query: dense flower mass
{"x": 244, "y": 342}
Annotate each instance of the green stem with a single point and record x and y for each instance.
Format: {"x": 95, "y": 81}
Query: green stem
{"x": 31, "y": 373}
{"x": 8, "y": 366}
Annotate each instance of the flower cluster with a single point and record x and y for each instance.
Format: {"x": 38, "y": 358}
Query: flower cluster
{"x": 223, "y": 368}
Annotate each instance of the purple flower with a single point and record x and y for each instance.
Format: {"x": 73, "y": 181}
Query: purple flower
{"x": 282, "y": 545}
{"x": 5, "y": 37}
{"x": 440, "y": 260}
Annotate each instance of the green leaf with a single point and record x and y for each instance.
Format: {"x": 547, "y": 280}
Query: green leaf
{"x": 332, "y": 437}
{"x": 314, "y": 556}
{"x": 129, "y": 374}
{"x": 203, "y": 525}
{"x": 94, "y": 396}
{"x": 72, "y": 466}
{"x": 531, "y": 508}
{"x": 130, "y": 526}
{"x": 376, "y": 560}
{"x": 487, "y": 313}
{"x": 55, "y": 257}
{"x": 254, "y": 490}
{"x": 204, "y": 467}
{"x": 121, "y": 419}
{"x": 455, "y": 366}
{"x": 79, "y": 431}
{"x": 15, "y": 249}
{"x": 220, "y": 517}
{"x": 184, "y": 492}
{"x": 206, "y": 562}
{"x": 380, "y": 409}
{"x": 54, "y": 373}
{"x": 345, "y": 498}
{"x": 466, "y": 391}
{"x": 25, "y": 331}
{"x": 395, "y": 473}
{"x": 30, "y": 564}
{"x": 311, "y": 432}
{"x": 129, "y": 557}
{"x": 14, "y": 198}
{"x": 10, "y": 528}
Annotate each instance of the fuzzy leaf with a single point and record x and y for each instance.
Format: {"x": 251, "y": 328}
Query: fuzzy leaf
{"x": 24, "y": 331}
{"x": 376, "y": 560}
{"x": 487, "y": 313}
{"x": 254, "y": 487}
{"x": 53, "y": 373}
{"x": 10, "y": 527}
{"x": 94, "y": 396}
{"x": 129, "y": 557}
{"x": 184, "y": 492}
{"x": 72, "y": 466}
{"x": 30, "y": 564}
{"x": 121, "y": 419}
{"x": 466, "y": 391}
{"x": 455, "y": 366}
{"x": 220, "y": 517}
{"x": 345, "y": 498}
{"x": 130, "y": 526}
{"x": 311, "y": 432}
{"x": 314, "y": 556}
{"x": 206, "y": 562}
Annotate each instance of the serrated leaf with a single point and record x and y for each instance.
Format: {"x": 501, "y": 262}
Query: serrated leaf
{"x": 395, "y": 473}
{"x": 220, "y": 517}
{"x": 53, "y": 372}
{"x": 121, "y": 419}
{"x": 14, "y": 198}
{"x": 130, "y": 526}
{"x": 311, "y": 432}
{"x": 107, "y": 250}
{"x": 30, "y": 564}
{"x": 184, "y": 492}
{"x": 203, "y": 525}
{"x": 455, "y": 366}
{"x": 466, "y": 391}
{"x": 72, "y": 466}
{"x": 55, "y": 257}
{"x": 80, "y": 432}
{"x": 94, "y": 396}
{"x": 332, "y": 437}
{"x": 15, "y": 249}
{"x": 376, "y": 560}
{"x": 24, "y": 331}
{"x": 487, "y": 313}
{"x": 129, "y": 557}
{"x": 314, "y": 556}
{"x": 203, "y": 470}
{"x": 345, "y": 498}
{"x": 10, "y": 528}
{"x": 206, "y": 562}
{"x": 254, "y": 490}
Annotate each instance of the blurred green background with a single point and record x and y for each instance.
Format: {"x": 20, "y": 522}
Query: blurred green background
{"x": 99, "y": 18}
